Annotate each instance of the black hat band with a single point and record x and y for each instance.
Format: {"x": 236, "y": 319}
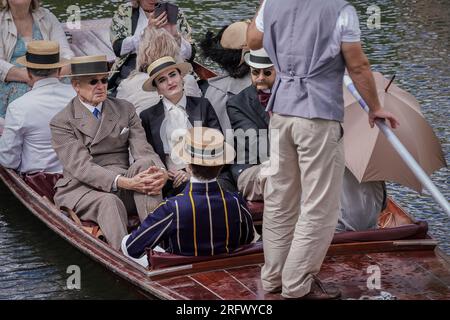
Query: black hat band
{"x": 89, "y": 67}
{"x": 203, "y": 153}
{"x": 160, "y": 67}
{"x": 42, "y": 58}
{"x": 262, "y": 60}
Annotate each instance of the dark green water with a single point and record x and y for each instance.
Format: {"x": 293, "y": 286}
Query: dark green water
{"x": 413, "y": 43}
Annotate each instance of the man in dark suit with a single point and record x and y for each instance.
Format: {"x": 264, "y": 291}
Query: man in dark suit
{"x": 204, "y": 220}
{"x": 250, "y": 123}
{"x": 173, "y": 115}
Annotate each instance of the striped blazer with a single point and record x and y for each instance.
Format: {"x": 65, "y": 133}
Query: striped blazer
{"x": 203, "y": 220}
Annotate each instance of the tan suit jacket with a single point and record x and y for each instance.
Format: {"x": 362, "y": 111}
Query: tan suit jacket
{"x": 93, "y": 154}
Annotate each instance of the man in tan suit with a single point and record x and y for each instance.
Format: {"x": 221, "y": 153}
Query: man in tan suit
{"x": 92, "y": 137}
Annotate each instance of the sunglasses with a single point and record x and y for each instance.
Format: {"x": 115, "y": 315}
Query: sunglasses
{"x": 93, "y": 82}
{"x": 257, "y": 72}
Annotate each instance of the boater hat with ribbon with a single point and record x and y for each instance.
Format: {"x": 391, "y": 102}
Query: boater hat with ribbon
{"x": 89, "y": 66}
{"x": 161, "y": 65}
{"x": 258, "y": 59}
{"x": 205, "y": 147}
{"x": 42, "y": 54}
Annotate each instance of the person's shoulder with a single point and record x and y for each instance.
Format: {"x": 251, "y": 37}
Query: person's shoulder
{"x": 65, "y": 89}
{"x": 236, "y": 100}
{"x": 4, "y": 14}
{"x": 65, "y": 114}
{"x": 121, "y": 104}
{"x": 151, "y": 111}
{"x": 45, "y": 13}
{"x": 124, "y": 9}
{"x": 198, "y": 100}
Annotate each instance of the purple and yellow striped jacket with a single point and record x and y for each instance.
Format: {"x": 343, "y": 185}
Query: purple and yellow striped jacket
{"x": 203, "y": 220}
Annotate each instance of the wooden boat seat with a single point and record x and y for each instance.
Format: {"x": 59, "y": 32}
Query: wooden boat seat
{"x": 418, "y": 230}
{"x": 160, "y": 260}
{"x": 43, "y": 183}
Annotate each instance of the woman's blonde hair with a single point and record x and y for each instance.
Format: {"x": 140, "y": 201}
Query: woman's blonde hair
{"x": 34, "y": 5}
{"x": 155, "y": 44}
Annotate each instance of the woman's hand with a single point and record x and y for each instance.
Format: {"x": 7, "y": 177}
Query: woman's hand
{"x": 158, "y": 22}
{"x": 179, "y": 177}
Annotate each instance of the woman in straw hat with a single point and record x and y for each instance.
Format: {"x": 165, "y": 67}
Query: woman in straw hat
{"x": 204, "y": 220}
{"x": 20, "y": 22}
{"x": 155, "y": 44}
{"x": 174, "y": 113}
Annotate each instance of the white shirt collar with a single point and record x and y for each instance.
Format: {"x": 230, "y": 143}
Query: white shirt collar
{"x": 168, "y": 104}
{"x": 91, "y": 107}
{"x": 44, "y": 82}
{"x": 196, "y": 180}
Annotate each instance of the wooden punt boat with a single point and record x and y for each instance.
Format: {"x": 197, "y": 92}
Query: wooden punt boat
{"x": 407, "y": 260}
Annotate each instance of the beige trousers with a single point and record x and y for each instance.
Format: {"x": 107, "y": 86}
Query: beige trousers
{"x": 251, "y": 183}
{"x": 110, "y": 210}
{"x": 301, "y": 202}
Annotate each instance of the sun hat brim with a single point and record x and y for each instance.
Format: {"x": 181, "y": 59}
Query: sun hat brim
{"x": 184, "y": 68}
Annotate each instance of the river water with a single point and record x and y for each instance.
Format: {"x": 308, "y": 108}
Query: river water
{"x": 412, "y": 42}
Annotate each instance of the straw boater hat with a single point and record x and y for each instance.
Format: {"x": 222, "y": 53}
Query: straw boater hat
{"x": 42, "y": 54}
{"x": 89, "y": 66}
{"x": 205, "y": 147}
{"x": 161, "y": 65}
{"x": 258, "y": 59}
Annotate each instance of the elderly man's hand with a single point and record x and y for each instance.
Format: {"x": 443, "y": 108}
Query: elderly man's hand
{"x": 159, "y": 178}
{"x": 150, "y": 181}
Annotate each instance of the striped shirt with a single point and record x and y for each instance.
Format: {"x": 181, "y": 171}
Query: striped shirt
{"x": 203, "y": 220}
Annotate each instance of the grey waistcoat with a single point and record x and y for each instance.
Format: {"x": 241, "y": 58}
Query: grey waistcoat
{"x": 297, "y": 34}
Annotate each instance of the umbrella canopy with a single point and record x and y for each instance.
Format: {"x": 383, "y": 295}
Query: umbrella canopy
{"x": 368, "y": 154}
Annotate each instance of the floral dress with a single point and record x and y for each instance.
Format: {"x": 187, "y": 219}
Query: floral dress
{"x": 10, "y": 91}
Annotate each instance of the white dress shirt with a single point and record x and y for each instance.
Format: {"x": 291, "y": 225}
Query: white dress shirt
{"x": 26, "y": 141}
{"x": 346, "y": 30}
{"x": 131, "y": 44}
{"x": 175, "y": 123}
{"x": 91, "y": 107}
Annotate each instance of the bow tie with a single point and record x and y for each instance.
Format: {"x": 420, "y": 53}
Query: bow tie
{"x": 263, "y": 98}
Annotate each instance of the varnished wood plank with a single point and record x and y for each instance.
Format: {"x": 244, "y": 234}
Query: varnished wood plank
{"x": 224, "y": 285}
{"x": 188, "y": 288}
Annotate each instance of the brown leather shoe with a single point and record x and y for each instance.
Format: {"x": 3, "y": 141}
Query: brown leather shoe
{"x": 318, "y": 292}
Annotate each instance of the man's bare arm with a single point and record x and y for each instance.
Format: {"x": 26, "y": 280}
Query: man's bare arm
{"x": 254, "y": 36}
{"x": 358, "y": 67}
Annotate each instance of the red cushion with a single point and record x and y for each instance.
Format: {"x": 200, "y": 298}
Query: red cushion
{"x": 43, "y": 183}
{"x": 256, "y": 209}
{"x": 417, "y": 230}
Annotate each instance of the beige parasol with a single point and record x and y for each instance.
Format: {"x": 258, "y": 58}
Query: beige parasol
{"x": 369, "y": 155}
